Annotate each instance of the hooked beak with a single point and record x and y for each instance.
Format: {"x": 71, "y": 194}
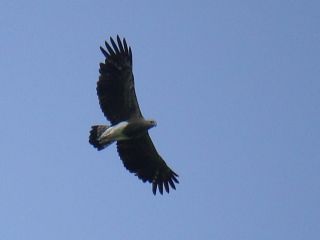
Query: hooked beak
{"x": 153, "y": 123}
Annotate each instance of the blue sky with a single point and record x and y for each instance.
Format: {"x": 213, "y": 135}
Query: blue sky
{"x": 233, "y": 85}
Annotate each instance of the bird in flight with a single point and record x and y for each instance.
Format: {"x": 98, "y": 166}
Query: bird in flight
{"x": 128, "y": 128}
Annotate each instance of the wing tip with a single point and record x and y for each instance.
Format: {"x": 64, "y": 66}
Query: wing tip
{"x": 104, "y": 52}
{"x": 163, "y": 184}
{"x": 117, "y": 48}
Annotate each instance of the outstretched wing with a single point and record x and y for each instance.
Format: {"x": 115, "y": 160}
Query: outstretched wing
{"x": 139, "y": 156}
{"x": 115, "y": 87}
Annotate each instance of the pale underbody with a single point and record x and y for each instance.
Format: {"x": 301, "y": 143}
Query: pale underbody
{"x": 114, "y": 133}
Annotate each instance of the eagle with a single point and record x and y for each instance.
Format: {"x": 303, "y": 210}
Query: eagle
{"x": 128, "y": 128}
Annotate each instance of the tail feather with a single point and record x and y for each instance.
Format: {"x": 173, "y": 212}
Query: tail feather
{"x": 95, "y": 133}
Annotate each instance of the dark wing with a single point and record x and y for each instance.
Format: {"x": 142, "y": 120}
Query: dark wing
{"x": 139, "y": 156}
{"x": 115, "y": 87}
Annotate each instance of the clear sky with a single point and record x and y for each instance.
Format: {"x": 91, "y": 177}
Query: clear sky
{"x": 233, "y": 85}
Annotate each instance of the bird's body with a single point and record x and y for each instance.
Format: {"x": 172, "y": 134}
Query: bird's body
{"x": 114, "y": 133}
{"x": 118, "y": 101}
{"x": 102, "y": 136}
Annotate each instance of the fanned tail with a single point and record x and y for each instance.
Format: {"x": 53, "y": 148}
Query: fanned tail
{"x": 95, "y": 133}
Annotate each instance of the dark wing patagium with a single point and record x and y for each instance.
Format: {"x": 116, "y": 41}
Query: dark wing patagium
{"x": 115, "y": 87}
{"x": 139, "y": 156}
